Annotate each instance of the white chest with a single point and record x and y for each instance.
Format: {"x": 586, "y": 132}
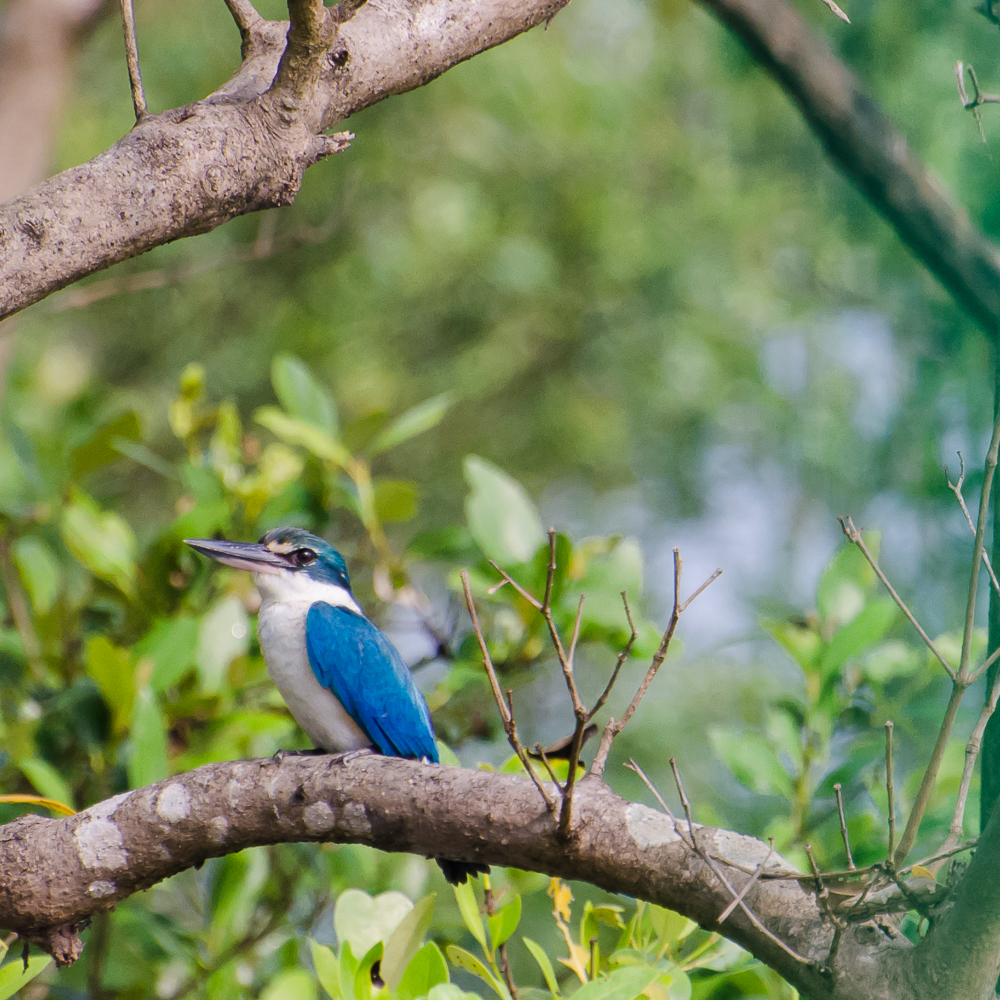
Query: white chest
{"x": 281, "y": 629}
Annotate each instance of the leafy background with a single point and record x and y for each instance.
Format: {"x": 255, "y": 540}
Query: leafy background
{"x": 600, "y": 278}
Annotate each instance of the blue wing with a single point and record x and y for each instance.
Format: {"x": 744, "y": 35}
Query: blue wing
{"x": 350, "y": 656}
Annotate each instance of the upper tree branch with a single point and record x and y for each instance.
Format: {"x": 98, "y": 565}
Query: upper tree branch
{"x": 871, "y": 151}
{"x": 240, "y": 150}
{"x": 55, "y": 873}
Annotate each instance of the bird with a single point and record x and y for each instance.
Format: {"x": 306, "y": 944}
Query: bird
{"x": 344, "y": 682}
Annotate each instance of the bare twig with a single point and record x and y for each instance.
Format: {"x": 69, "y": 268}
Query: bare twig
{"x": 890, "y": 789}
{"x": 566, "y": 664}
{"x": 613, "y": 728}
{"x": 132, "y": 61}
{"x": 823, "y": 900}
{"x": 979, "y": 546}
{"x": 539, "y": 752}
{"x": 506, "y": 713}
{"x": 836, "y": 10}
{"x": 245, "y": 15}
{"x": 971, "y": 753}
{"x": 749, "y": 884}
{"x": 718, "y": 873}
{"x": 964, "y": 677}
{"x": 956, "y": 488}
{"x": 633, "y": 766}
{"x": 576, "y": 628}
{"x": 843, "y": 826}
{"x": 622, "y": 657}
{"x": 978, "y": 98}
{"x": 856, "y": 537}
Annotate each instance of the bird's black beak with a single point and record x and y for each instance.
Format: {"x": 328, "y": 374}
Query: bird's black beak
{"x": 240, "y": 555}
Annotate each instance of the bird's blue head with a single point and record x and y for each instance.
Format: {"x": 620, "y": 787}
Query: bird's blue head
{"x": 287, "y": 553}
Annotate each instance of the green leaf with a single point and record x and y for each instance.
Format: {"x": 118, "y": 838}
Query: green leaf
{"x": 223, "y": 635}
{"x": 504, "y": 923}
{"x": 14, "y": 976}
{"x": 405, "y": 941}
{"x": 39, "y": 571}
{"x": 301, "y": 395}
{"x": 607, "y": 574}
{"x": 102, "y": 449}
{"x": 348, "y": 970}
{"x": 395, "y": 500}
{"x": 327, "y": 967}
{"x": 865, "y": 630}
{"x": 594, "y": 915}
{"x": 46, "y": 780}
{"x": 449, "y": 991}
{"x": 678, "y": 984}
{"x": 426, "y": 970}
{"x": 892, "y": 659}
{"x": 469, "y": 963}
{"x": 417, "y": 420}
{"x": 101, "y": 541}
{"x": 110, "y": 668}
{"x": 147, "y": 760}
{"x": 304, "y": 435}
{"x": 469, "y": 909}
{"x": 363, "y": 977}
{"x": 538, "y": 953}
{"x": 362, "y": 920}
{"x": 752, "y": 761}
{"x": 171, "y": 644}
{"x": 842, "y": 587}
{"x": 670, "y": 926}
{"x": 622, "y": 984}
{"x": 799, "y": 639}
{"x": 501, "y": 516}
{"x": 292, "y": 984}
{"x": 446, "y": 755}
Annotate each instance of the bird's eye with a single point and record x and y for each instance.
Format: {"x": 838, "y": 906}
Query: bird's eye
{"x": 303, "y": 557}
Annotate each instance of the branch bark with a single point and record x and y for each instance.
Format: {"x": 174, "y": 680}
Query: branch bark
{"x": 55, "y": 873}
{"x": 245, "y": 147}
{"x": 871, "y": 151}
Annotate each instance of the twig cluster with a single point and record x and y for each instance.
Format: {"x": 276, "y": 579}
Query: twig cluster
{"x": 962, "y": 675}
{"x": 566, "y": 655}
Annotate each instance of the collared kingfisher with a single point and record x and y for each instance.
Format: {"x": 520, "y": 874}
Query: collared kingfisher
{"x": 342, "y": 679}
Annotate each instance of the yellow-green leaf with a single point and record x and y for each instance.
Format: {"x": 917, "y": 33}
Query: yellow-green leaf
{"x": 504, "y": 923}
{"x": 101, "y": 541}
{"x": 14, "y": 976}
{"x": 405, "y": 941}
{"x": 417, "y": 420}
{"x": 467, "y": 961}
{"x": 544, "y": 963}
{"x": 47, "y": 781}
{"x": 469, "y": 909}
{"x": 327, "y": 967}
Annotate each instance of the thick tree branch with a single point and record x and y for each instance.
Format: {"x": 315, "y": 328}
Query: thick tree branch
{"x": 871, "y": 151}
{"x": 55, "y": 873}
{"x": 244, "y": 148}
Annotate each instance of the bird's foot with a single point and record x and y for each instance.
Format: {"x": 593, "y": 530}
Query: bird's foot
{"x": 280, "y": 755}
{"x": 346, "y": 758}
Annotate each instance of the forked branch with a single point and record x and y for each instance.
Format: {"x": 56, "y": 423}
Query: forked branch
{"x": 566, "y": 657}
{"x": 613, "y": 728}
{"x": 506, "y": 709}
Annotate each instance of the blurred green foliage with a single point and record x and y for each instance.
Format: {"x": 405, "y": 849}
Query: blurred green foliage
{"x": 605, "y": 267}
